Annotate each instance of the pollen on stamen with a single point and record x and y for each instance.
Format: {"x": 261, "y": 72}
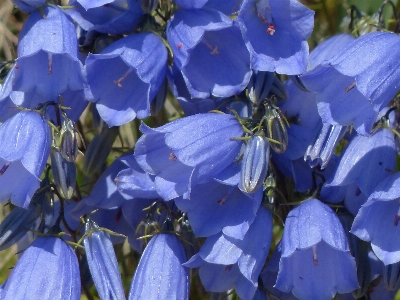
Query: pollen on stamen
{"x": 314, "y": 255}
{"x": 172, "y": 157}
{"x": 222, "y": 200}
{"x": 179, "y": 45}
{"x": 350, "y": 87}
{"x": 4, "y": 168}
{"x": 271, "y": 29}
{"x": 119, "y": 81}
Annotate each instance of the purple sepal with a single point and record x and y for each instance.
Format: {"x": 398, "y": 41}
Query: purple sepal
{"x": 160, "y": 274}
{"x": 48, "y": 269}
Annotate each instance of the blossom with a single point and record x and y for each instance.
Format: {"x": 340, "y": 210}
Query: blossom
{"x": 25, "y": 147}
{"x": 227, "y": 262}
{"x": 48, "y": 269}
{"x": 160, "y": 274}
{"x": 277, "y": 31}
{"x": 382, "y": 207}
{"x": 360, "y": 80}
{"x": 210, "y": 52}
{"x": 185, "y": 150}
{"x": 316, "y": 262}
{"x": 47, "y": 56}
{"x": 136, "y": 67}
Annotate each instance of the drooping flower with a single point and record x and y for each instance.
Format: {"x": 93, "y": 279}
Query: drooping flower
{"x": 316, "y": 262}
{"x": 227, "y": 263}
{"x": 383, "y": 208}
{"x": 277, "y": 31}
{"x": 136, "y": 68}
{"x": 47, "y": 61}
{"x": 192, "y": 149}
{"x": 210, "y": 52}
{"x": 25, "y": 147}
{"x": 359, "y": 81}
{"x": 48, "y": 269}
{"x": 160, "y": 274}
{"x": 106, "y": 16}
{"x": 367, "y": 161}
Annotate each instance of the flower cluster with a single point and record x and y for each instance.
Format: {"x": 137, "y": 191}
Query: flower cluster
{"x": 152, "y": 141}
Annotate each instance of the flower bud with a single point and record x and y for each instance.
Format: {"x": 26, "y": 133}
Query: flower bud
{"x": 254, "y": 164}
{"x": 260, "y": 85}
{"x": 275, "y": 129}
{"x": 64, "y": 173}
{"x": 391, "y": 276}
{"x": 69, "y": 140}
{"x": 102, "y": 262}
{"x": 98, "y": 150}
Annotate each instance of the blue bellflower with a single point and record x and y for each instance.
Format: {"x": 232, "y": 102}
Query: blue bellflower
{"x": 277, "y": 31}
{"x": 48, "y": 269}
{"x": 47, "y": 56}
{"x": 227, "y": 263}
{"x": 25, "y": 147}
{"x": 210, "y": 52}
{"x": 136, "y": 67}
{"x": 316, "y": 262}
{"x": 360, "y": 80}
{"x": 184, "y": 151}
{"x": 160, "y": 274}
{"x": 116, "y": 17}
{"x": 377, "y": 220}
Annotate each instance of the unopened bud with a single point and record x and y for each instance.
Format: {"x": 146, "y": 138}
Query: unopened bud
{"x": 69, "y": 140}
{"x": 64, "y": 174}
{"x": 275, "y": 128}
{"x": 254, "y": 164}
{"x": 391, "y": 276}
{"x": 260, "y": 85}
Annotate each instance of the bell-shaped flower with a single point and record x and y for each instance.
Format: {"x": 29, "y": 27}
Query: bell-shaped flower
{"x": 277, "y": 31}
{"x": 102, "y": 262}
{"x": 210, "y": 52}
{"x": 316, "y": 262}
{"x": 367, "y": 161}
{"x": 227, "y": 263}
{"x": 190, "y": 149}
{"x": 160, "y": 274}
{"x": 214, "y": 206}
{"x": 113, "y": 17}
{"x": 377, "y": 220}
{"x": 24, "y": 148}
{"x": 359, "y": 81}
{"x": 47, "y": 55}
{"x": 48, "y": 269}
{"x": 136, "y": 67}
